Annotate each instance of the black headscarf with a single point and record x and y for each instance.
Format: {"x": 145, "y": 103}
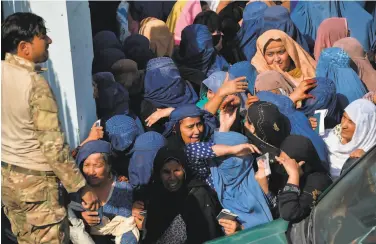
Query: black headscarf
{"x": 137, "y": 48}
{"x": 299, "y": 148}
{"x": 271, "y": 126}
{"x": 158, "y": 9}
{"x": 164, "y": 205}
{"x": 210, "y": 19}
{"x": 113, "y": 98}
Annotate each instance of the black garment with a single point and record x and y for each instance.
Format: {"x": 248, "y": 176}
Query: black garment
{"x": 294, "y": 207}
{"x": 301, "y": 148}
{"x": 200, "y": 211}
{"x": 103, "y": 16}
{"x": 232, "y": 52}
{"x": 194, "y": 76}
{"x": 137, "y": 48}
{"x": 146, "y": 109}
{"x": 112, "y": 98}
{"x": 157, "y": 9}
{"x": 210, "y": 19}
{"x": 194, "y": 201}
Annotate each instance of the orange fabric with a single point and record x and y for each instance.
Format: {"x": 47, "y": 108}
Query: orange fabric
{"x": 302, "y": 60}
{"x": 160, "y": 37}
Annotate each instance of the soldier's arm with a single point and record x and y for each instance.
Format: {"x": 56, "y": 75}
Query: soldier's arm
{"x": 44, "y": 112}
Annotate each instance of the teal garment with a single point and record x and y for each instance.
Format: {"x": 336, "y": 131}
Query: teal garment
{"x": 201, "y": 103}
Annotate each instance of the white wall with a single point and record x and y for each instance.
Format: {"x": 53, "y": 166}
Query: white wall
{"x": 69, "y": 65}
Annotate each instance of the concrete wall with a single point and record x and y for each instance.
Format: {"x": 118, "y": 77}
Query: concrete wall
{"x": 69, "y": 65}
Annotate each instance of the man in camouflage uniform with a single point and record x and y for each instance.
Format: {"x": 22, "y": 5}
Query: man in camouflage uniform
{"x": 35, "y": 158}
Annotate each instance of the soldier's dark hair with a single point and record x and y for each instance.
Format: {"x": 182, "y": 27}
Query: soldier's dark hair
{"x": 20, "y": 27}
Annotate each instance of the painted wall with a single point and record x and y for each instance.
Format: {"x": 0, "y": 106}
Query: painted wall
{"x": 69, "y": 65}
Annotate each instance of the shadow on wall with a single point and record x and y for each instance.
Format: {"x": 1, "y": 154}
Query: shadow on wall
{"x": 64, "y": 112}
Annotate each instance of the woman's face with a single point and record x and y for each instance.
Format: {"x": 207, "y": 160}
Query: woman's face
{"x": 172, "y": 175}
{"x": 348, "y": 128}
{"x": 276, "y": 54}
{"x": 210, "y": 94}
{"x": 95, "y": 169}
{"x": 191, "y": 129}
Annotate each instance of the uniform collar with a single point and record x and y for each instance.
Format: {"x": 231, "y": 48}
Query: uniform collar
{"x": 24, "y": 63}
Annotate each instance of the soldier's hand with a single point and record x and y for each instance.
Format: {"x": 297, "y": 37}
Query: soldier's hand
{"x": 91, "y": 217}
{"x": 90, "y": 199}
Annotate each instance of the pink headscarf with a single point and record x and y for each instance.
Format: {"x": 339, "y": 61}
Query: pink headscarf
{"x": 183, "y": 14}
{"x": 355, "y": 50}
{"x": 271, "y": 80}
{"x": 329, "y": 31}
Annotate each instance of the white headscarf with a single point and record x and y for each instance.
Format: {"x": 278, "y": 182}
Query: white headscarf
{"x": 363, "y": 113}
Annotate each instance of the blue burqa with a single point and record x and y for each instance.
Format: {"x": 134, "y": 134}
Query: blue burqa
{"x": 251, "y": 27}
{"x": 308, "y": 15}
{"x": 235, "y": 183}
{"x": 334, "y": 63}
{"x": 164, "y": 86}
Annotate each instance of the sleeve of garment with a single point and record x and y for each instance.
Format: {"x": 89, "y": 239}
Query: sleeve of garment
{"x": 211, "y": 123}
{"x": 44, "y": 113}
{"x": 199, "y": 151}
{"x": 272, "y": 201}
{"x": 294, "y": 207}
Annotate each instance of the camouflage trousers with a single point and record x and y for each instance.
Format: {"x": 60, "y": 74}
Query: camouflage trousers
{"x": 32, "y": 205}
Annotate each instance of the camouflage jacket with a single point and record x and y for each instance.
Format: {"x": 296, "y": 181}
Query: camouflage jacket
{"x": 32, "y": 137}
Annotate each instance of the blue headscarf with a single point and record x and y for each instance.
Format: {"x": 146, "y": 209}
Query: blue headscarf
{"x": 105, "y": 39}
{"x": 308, "y": 16}
{"x": 278, "y": 17}
{"x": 213, "y": 82}
{"x": 144, "y": 150}
{"x": 300, "y": 124}
{"x": 180, "y": 113}
{"x": 197, "y": 51}
{"x": 113, "y": 98}
{"x": 122, "y": 130}
{"x": 325, "y": 97}
{"x": 235, "y": 184}
{"x": 91, "y": 147}
{"x": 334, "y": 63}
{"x": 137, "y": 48}
{"x": 245, "y": 68}
{"x": 251, "y": 27}
{"x": 164, "y": 87}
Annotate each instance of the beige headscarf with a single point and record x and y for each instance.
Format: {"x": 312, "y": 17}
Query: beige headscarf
{"x": 161, "y": 39}
{"x": 302, "y": 60}
{"x": 355, "y": 50}
{"x": 271, "y": 80}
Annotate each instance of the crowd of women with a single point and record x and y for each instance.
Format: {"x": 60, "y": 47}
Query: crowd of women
{"x": 212, "y": 106}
